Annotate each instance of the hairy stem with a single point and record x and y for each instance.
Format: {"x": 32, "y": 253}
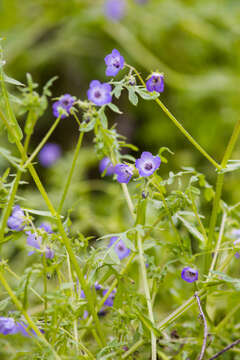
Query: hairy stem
{"x": 205, "y": 328}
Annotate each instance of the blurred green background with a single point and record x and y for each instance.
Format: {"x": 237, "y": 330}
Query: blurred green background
{"x": 195, "y": 43}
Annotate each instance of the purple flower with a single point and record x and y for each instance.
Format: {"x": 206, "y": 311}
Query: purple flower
{"x": 34, "y": 241}
{"x": 105, "y": 164}
{"x": 190, "y": 275}
{"x": 99, "y": 94}
{"x": 237, "y": 255}
{"x": 147, "y": 164}
{"x": 49, "y": 253}
{"x": 16, "y": 220}
{"x": 120, "y": 248}
{"x": 97, "y": 286}
{"x": 47, "y": 227}
{"x": 110, "y": 299}
{"x": 123, "y": 172}
{"x": 7, "y": 326}
{"x": 65, "y": 102}
{"x": 49, "y": 154}
{"x": 115, "y": 9}
{"x": 114, "y": 62}
{"x": 155, "y": 82}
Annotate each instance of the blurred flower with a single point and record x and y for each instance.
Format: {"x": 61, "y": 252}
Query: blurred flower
{"x": 155, "y": 82}
{"x": 49, "y": 253}
{"x": 105, "y": 164}
{"x": 47, "y": 227}
{"x": 99, "y": 94}
{"x": 114, "y": 62}
{"x": 123, "y": 172}
{"x": 16, "y": 220}
{"x": 7, "y": 326}
{"x": 147, "y": 164}
{"x": 65, "y": 102}
{"x": 34, "y": 241}
{"x": 109, "y": 301}
{"x": 49, "y": 154}
{"x": 190, "y": 275}
{"x": 236, "y": 235}
{"x": 97, "y": 286}
{"x": 115, "y": 9}
{"x": 120, "y": 248}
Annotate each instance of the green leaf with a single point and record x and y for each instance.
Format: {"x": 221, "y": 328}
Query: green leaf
{"x": 148, "y": 324}
{"x": 133, "y": 98}
{"x": 191, "y": 228}
{"x": 146, "y": 95}
{"x": 117, "y": 91}
{"x": 114, "y": 108}
{"x": 12, "y": 81}
{"x": 103, "y": 118}
{"x": 12, "y": 159}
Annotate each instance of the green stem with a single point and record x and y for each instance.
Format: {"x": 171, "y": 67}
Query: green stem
{"x": 25, "y": 314}
{"x": 180, "y": 127}
{"x": 45, "y": 290}
{"x": 65, "y": 239}
{"x": 147, "y": 295}
{"x": 66, "y": 188}
{"x": 128, "y": 199}
{"x": 219, "y": 187}
{"x": 42, "y": 143}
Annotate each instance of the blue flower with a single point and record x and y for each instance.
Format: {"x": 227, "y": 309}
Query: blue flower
{"x": 120, "y": 248}
{"x": 49, "y": 253}
{"x": 105, "y": 164}
{"x": 97, "y": 286}
{"x": 114, "y": 62}
{"x": 8, "y": 326}
{"x": 155, "y": 82}
{"x": 123, "y": 172}
{"x": 147, "y": 164}
{"x": 65, "y": 102}
{"x": 47, "y": 227}
{"x": 99, "y": 94}
{"x": 49, "y": 154}
{"x": 109, "y": 301}
{"x": 34, "y": 241}
{"x": 115, "y": 9}
{"x": 17, "y": 219}
{"x": 190, "y": 275}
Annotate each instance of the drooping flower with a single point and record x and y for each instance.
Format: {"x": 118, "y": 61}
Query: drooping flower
{"x": 99, "y": 94}
{"x": 49, "y": 154}
{"x": 190, "y": 275}
{"x": 109, "y": 301}
{"x": 123, "y": 172}
{"x": 49, "y": 253}
{"x": 147, "y": 164}
{"x": 114, "y": 62}
{"x": 7, "y": 326}
{"x": 17, "y": 219}
{"x": 65, "y": 102}
{"x": 97, "y": 286}
{"x": 106, "y": 166}
{"x": 115, "y": 9}
{"x": 120, "y": 248}
{"x": 155, "y": 82}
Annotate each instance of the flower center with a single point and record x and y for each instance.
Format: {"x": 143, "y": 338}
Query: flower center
{"x": 116, "y": 63}
{"x": 148, "y": 166}
{"x": 120, "y": 247}
{"x": 190, "y": 274}
{"x": 97, "y": 94}
{"x": 65, "y": 102}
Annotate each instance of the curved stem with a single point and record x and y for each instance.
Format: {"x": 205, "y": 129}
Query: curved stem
{"x": 42, "y": 143}
{"x": 179, "y": 126}
{"x": 68, "y": 182}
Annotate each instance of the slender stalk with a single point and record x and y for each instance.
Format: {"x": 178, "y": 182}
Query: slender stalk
{"x": 25, "y": 314}
{"x": 80, "y": 345}
{"x": 42, "y": 143}
{"x": 45, "y": 290}
{"x": 68, "y": 182}
{"x": 217, "y": 245}
{"x": 179, "y": 126}
{"x": 147, "y": 295}
{"x": 225, "y": 349}
{"x": 205, "y": 328}
{"x": 75, "y": 330}
{"x": 128, "y": 199}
